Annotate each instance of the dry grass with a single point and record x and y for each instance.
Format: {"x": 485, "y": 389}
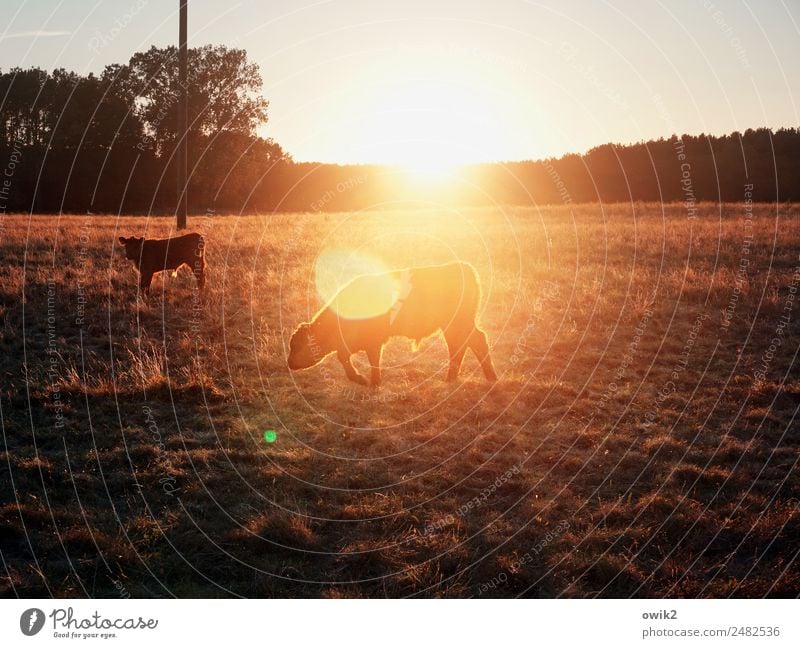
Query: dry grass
{"x": 594, "y": 475}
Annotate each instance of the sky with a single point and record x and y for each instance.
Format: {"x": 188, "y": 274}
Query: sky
{"x": 447, "y": 81}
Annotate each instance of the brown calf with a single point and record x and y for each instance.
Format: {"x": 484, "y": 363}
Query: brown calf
{"x": 428, "y": 299}
{"x": 156, "y": 255}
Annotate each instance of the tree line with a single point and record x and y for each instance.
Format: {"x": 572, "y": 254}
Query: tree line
{"x": 106, "y": 143}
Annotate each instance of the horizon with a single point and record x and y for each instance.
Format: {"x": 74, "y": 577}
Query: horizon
{"x": 437, "y": 88}
{"x": 560, "y": 156}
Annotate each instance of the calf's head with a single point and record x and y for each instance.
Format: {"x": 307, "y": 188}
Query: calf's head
{"x": 133, "y": 247}
{"x": 306, "y": 348}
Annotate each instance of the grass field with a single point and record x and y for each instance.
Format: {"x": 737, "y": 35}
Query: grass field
{"x": 641, "y": 441}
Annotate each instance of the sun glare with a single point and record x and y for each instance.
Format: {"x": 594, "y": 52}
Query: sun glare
{"x": 372, "y": 293}
{"x": 429, "y": 127}
{"x": 431, "y": 169}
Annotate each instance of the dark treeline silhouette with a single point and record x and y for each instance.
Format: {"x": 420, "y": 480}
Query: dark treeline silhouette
{"x": 72, "y": 143}
{"x": 106, "y": 143}
{"x": 761, "y": 164}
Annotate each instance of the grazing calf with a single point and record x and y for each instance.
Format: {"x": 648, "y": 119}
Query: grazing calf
{"x": 423, "y": 301}
{"x": 155, "y": 255}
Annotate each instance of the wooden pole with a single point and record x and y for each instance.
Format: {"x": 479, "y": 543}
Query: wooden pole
{"x": 183, "y": 118}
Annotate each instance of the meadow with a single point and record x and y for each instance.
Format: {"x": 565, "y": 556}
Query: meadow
{"x": 640, "y": 441}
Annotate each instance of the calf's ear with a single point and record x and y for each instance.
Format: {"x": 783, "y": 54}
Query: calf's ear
{"x": 122, "y": 240}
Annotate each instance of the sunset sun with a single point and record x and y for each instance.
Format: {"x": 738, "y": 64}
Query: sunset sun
{"x": 431, "y": 125}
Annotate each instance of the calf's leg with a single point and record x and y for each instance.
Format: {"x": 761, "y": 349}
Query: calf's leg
{"x": 456, "y": 346}
{"x": 480, "y": 347}
{"x": 349, "y": 369}
{"x": 144, "y": 281}
{"x": 374, "y": 356}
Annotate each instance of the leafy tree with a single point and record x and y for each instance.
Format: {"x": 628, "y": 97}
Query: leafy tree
{"x": 224, "y": 93}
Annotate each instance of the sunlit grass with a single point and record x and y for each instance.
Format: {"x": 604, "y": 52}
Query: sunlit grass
{"x": 163, "y": 468}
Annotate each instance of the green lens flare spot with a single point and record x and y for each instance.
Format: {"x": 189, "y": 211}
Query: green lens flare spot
{"x": 270, "y": 436}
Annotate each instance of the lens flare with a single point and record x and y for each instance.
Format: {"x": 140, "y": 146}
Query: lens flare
{"x": 355, "y": 285}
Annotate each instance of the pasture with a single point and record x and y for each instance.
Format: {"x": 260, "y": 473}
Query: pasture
{"x": 640, "y": 440}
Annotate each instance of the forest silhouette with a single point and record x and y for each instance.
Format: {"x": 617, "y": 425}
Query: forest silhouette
{"x": 105, "y": 144}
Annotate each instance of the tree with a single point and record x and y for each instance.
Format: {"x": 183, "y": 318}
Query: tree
{"x": 224, "y": 93}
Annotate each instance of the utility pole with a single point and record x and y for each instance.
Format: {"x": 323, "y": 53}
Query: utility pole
{"x": 183, "y": 118}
